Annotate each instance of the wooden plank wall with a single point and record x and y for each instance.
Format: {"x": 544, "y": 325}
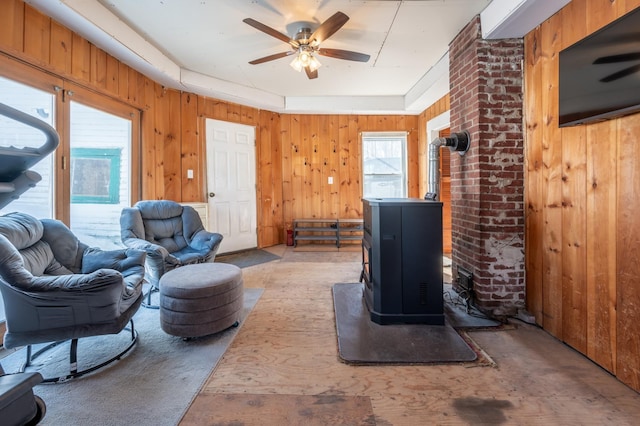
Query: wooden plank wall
{"x": 582, "y": 185}
{"x": 295, "y": 153}
{"x": 582, "y": 244}
{"x": 170, "y": 120}
{"x": 33, "y": 38}
{"x": 440, "y": 106}
{"x": 316, "y": 147}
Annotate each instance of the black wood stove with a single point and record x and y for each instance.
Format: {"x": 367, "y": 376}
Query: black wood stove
{"x": 402, "y": 260}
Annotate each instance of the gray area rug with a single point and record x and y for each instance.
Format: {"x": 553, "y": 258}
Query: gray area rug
{"x": 362, "y": 341}
{"x": 247, "y": 258}
{"x": 154, "y": 384}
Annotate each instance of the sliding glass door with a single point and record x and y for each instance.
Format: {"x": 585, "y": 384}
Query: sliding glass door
{"x": 38, "y": 201}
{"x": 93, "y": 174}
{"x": 100, "y": 169}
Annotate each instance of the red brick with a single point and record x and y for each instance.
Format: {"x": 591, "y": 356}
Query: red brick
{"x": 487, "y": 183}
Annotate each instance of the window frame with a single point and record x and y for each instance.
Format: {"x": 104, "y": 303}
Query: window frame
{"x": 111, "y": 154}
{"x": 389, "y": 135}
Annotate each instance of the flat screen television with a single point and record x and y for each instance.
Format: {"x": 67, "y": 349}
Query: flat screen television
{"x": 600, "y": 74}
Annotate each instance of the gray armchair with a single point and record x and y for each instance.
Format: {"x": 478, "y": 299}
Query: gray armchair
{"x": 56, "y": 288}
{"x": 18, "y": 404}
{"x": 171, "y": 234}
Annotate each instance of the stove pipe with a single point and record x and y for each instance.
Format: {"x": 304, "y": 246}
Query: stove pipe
{"x": 456, "y": 142}
{"x": 433, "y": 183}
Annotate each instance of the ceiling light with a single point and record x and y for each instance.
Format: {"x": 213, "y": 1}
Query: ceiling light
{"x": 296, "y": 64}
{"x": 314, "y": 63}
{"x": 305, "y": 59}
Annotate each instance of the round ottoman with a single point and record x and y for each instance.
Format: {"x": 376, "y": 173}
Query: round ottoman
{"x": 201, "y": 299}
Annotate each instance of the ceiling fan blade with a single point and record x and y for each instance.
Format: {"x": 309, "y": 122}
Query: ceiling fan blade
{"x": 271, "y": 57}
{"x": 622, "y": 73}
{"x": 270, "y": 31}
{"x": 618, "y": 58}
{"x": 343, "y": 54}
{"x": 311, "y": 74}
{"x": 328, "y": 27}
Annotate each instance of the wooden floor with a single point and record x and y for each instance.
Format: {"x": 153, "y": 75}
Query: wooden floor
{"x": 283, "y": 368}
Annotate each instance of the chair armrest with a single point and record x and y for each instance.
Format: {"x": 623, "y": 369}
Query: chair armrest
{"x": 74, "y": 282}
{"x": 206, "y": 240}
{"x": 155, "y": 251}
{"x": 119, "y": 260}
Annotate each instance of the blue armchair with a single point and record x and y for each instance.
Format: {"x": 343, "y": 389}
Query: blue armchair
{"x": 171, "y": 234}
{"x": 56, "y": 288}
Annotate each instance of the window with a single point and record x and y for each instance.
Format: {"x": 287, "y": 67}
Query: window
{"x": 384, "y": 164}
{"x": 94, "y": 172}
{"x": 102, "y": 141}
{"x": 99, "y": 135}
{"x": 37, "y": 201}
{"x": 95, "y": 176}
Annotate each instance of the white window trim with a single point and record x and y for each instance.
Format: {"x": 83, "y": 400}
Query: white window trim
{"x": 405, "y": 136}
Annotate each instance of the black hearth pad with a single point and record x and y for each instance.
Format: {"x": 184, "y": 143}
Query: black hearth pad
{"x": 362, "y": 341}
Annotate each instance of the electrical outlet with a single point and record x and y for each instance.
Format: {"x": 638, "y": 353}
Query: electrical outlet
{"x": 189, "y": 174}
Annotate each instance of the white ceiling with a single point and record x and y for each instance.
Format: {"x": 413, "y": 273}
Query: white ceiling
{"x": 203, "y": 46}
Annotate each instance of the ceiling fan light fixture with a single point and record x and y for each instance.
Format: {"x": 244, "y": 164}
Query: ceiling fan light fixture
{"x": 305, "y": 43}
{"x": 305, "y": 59}
{"x": 314, "y": 63}
{"x": 296, "y": 64}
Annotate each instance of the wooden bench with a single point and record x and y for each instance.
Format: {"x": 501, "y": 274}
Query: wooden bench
{"x": 336, "y": 230}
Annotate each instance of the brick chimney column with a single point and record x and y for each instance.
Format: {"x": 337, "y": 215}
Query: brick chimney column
{"x": 487, "y": 183}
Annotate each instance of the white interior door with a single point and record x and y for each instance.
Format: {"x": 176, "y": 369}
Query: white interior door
{"x": 231, "y": 184}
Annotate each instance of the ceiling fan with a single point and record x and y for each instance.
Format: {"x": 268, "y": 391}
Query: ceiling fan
{"x": 306, "y": 43}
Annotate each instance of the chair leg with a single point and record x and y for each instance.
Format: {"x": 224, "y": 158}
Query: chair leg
{"x": 32, "y": 356}
{"x": 147, "y": 303}
{"x": 28, "y": 360}
{"x": 73, "y": 357}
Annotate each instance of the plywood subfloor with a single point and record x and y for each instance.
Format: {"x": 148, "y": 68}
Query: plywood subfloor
{"x": 275, "y": 409}
{"x": 288, "y": 347}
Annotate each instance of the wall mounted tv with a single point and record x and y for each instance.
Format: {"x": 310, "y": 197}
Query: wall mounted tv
{"x": 600, "y": 74}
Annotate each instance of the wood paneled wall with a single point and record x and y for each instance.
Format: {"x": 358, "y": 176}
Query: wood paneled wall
{"x": 316, "y": 147}
{"x": 33, "y": 38}
{"x": 171, "y": 121}
{"x": 295, "y": 153}
{"x": 442, "y": 105}
{"x": 582, "y": 185}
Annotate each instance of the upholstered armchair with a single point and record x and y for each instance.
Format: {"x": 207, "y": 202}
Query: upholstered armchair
{"x": 56, "y": 288}
{"x": 171, "y": 234}
{"x": 18, "y": 404}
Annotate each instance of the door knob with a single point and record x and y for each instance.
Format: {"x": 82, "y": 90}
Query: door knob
{"x": 212, "y": 194}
